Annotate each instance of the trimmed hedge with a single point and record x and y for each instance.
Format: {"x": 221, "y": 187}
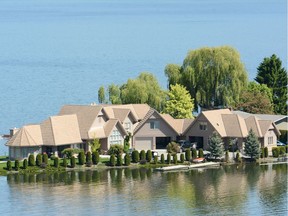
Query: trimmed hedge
{"x": 127, "y": 160}
{"x": 81, "y": 158}
{"x": 168, "y": 158}
{"x": 64, "y": 162}
{"x": 9, "y": 165}
{"x": 182, "y": 158}
{"x": 155, "y": 160}
{"x": 265, "y": 152}
{"x": 200, "y": 153}
{"x": 149, "y": 155}
{"x": 238, "y": 159}
{"x": 56, "y": 162}
{"x": 17, "y": 165}
{"x": 31, "y": 160}
{"x": 45, "y": 158}
{"x": 162, "y": 159}
{"x": 175, "y": 161}
{"x": 194, "y": 153}
{"x": 187, "y": 155}
{"x": 88, "y": 158}
{"x": 25, "y": 163}
{"x": 95, "y": 157}
{"x": 262, "y": 152}
{"x": 275, "y": 152}
{"x": 72, "y": 162}
{"x": 135, "y": 156}
{"x": 142, "y": 155}
{"x": 119, "y": 160}
{"x": 112, "y": 160}
{"x": 38, "y": 159}
{"x": 226, "y": 156}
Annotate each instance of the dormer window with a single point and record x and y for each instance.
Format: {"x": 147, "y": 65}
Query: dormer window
{"x": 154, "y": 125}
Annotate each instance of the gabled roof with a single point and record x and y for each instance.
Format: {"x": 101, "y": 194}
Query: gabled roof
{"x": 274, "y": 118}
{"x": 27, "y": 136}
{"x": 252, "y": 123}
{"x": 179, "y": 125}
{"x": 60, "y": 130}
{"x": 86, "y": 115}
{"x": 234, "y": 125}
{"x": 110, "y": 124}
{"x": 119, "y": 113}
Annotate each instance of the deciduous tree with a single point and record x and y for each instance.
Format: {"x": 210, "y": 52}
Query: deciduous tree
{"x": 179, "y": 103}
{"x": 213, "y": 76}
{"x": 101, "y": 95}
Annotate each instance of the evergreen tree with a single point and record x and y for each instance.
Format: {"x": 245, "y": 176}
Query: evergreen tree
{"x": 271, "y": 73}
{"x": 252, "y": 145}
{"x": 216, "y": 145}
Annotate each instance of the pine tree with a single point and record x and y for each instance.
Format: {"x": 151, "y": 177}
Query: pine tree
{"x": 216, "y": 145}
{"x": 271, "y": 73}
{"x": 252, "y": 145}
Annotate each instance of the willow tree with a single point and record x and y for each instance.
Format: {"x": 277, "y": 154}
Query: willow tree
{"x": 144, "y": 89}
{"x": 213, "y": 76}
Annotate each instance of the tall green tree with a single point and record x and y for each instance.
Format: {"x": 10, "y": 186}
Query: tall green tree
{"x": 213, "y": 76}
{"x": 114, "y": 94}
{"x": 144, "y": 89}
{"x": 256, "y": 98}
{"x": 252, "y": 145}
{"x": 271, "y": 73}
{"x": 179, "y": 103}
{"x": 216, "y": 145}
{"x": 101, "y": 95}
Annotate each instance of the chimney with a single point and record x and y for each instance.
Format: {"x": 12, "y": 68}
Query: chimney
{"x": 13, "y": 131}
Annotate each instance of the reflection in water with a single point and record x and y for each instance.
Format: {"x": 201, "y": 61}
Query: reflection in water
{"x": 226, "y": 190}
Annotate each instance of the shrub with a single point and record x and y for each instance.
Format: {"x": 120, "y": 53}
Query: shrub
{"x": 265, "y": 152}
{"x": 194, "y": 153}
{"x": 155, "y": 159}
{"x": 95, "y": 157}
{"x": 168, "y": 158}
{"x": 119, "y": 160}
{"x": 282, "y": 150}
{"x": 45, "y": 158}
{"x": 81, "y": 158}
{"x": 38, "y": 159}
{"x": 9, "y": 165}
{"x": 69, "y": 152}
{"x": 127, "y": 160}
{"x": 135, "y": 156}
{"x": 31, "y": 160}
{"x": 162, "y": 159}
{"x": 88, "y": 157}
{"x": 149, "y": 155}
{"x": 187, "y": 154}
{"x": 182, "y": 158}
{"x": 262, "y": 153}
{"x": 142, "y": 162}
{"x": 64, "y": 162}
{"x": 238, "y": 159}
{"x": 175, "y": 159}
{"x": 275, "y": 152}
{"x": 25, "y": 163}
{"x": 200, "y": 153}
{"x": 56, "y": 162}
{"x": 173, "y": 148}
{"x": 17, "y": 165}
{"x": 115, "y": 149}
{"x": 72, "y": 162}
{"x": 142, "y": 155}
{"x": 112, "y": 160}
{"x": 226, "y": 156}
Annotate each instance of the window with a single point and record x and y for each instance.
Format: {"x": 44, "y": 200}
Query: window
{"x": 270, "y": 140}
{"x": 115, "y": 137}
{"x": 203, "y": 125}
{"x": 154, "y": 124}
{"x": 128, "y": 126}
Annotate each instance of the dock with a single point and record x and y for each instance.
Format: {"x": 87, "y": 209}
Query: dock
{"x": 187, "y": 167}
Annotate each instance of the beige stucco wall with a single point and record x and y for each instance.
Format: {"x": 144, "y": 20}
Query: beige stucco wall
{"x": 128, "y": 120}
{"x": 109, "y": 137}
{"x": 195, "y": 130}
{"x": 23, "y": 152}
{"x": 270, "y": 133}
{"x": 164, "y": 130}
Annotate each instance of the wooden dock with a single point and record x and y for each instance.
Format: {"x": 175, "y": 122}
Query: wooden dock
{"x": 186, "y": 167}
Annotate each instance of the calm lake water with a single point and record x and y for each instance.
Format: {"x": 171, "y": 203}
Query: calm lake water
{"x": 228, "y": 190}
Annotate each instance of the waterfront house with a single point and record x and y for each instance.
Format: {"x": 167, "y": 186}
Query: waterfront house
{"x": 232, "y": 128}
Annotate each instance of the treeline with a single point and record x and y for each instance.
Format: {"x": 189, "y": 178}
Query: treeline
{"x": 212, "y": 77}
